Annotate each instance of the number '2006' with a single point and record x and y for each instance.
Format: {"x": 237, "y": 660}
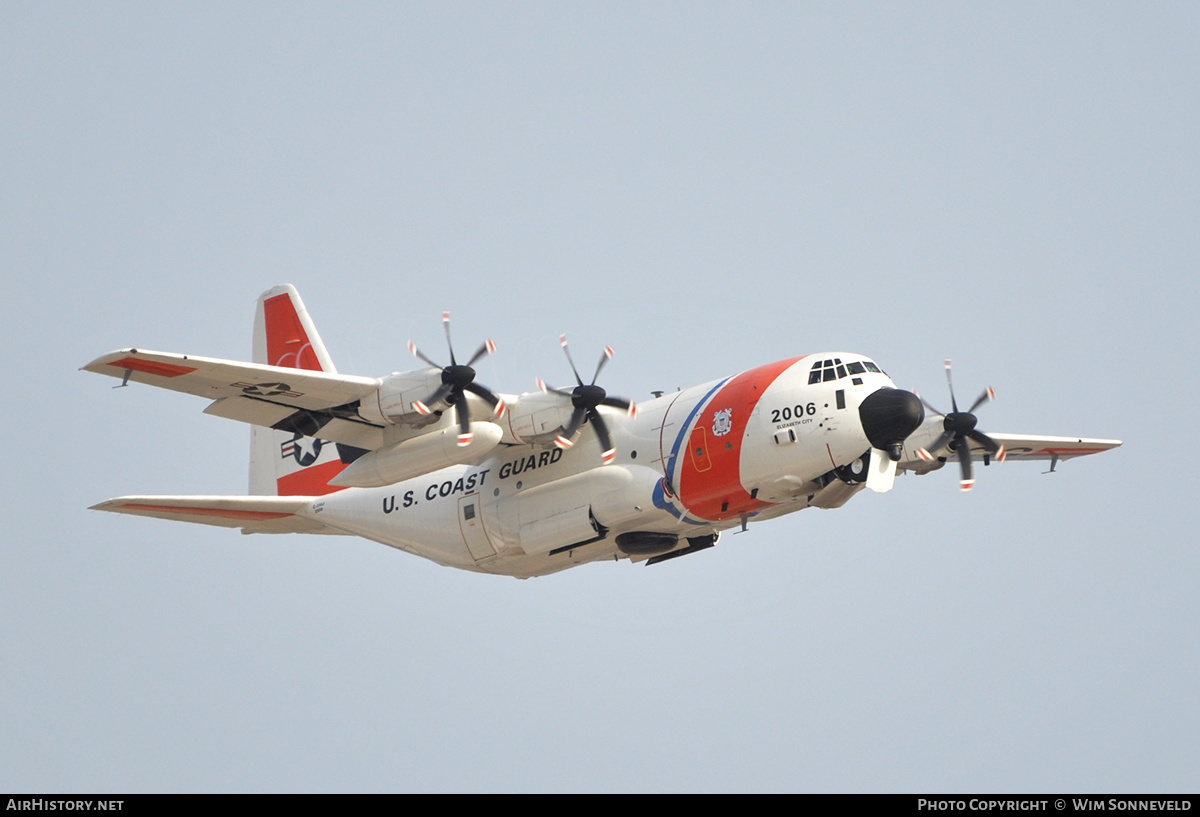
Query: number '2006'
{"x": 790, "y": 412}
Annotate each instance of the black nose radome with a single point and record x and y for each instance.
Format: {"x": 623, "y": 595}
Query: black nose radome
{"x": 889, "y": 415}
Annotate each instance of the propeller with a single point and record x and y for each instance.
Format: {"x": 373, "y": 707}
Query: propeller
{"x": 456, "y": 379}
{"x": 586, "y": 399}
{"x": 959, "y": 427}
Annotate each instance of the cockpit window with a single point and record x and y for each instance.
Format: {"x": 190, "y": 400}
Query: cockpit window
{"x": 824, "y": 371}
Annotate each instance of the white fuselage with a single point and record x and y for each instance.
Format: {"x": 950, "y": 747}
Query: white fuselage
{"x": 690, "y": 463}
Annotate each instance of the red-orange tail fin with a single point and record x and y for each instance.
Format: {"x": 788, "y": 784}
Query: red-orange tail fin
{"x": 284, "y": 463}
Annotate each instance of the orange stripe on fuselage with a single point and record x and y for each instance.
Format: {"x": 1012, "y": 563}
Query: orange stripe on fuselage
{"x": 287, "y": 342}
{"x": 710, "y": 483}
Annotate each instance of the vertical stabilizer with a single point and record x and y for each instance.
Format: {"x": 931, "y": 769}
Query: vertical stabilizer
{"x": 283, "y": 463}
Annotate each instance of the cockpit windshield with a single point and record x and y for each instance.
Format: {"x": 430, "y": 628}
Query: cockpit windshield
{"x": 825, "y": 370}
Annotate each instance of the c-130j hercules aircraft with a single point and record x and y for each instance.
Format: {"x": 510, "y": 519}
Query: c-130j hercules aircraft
{"x": 434, "y": 463}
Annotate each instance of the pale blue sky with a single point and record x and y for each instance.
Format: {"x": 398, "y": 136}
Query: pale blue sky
{"x": 707, "y": 187}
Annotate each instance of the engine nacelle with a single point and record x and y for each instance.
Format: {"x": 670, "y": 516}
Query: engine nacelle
{"x": 418, "y": 455}
{"x": 393, "y": 401}
{"x": 537, "y": 417}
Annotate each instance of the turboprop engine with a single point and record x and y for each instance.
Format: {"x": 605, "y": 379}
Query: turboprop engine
{"x": 543, "y": 420}
{"x": 419, "y": 398}
{"x": 397, "y": 396}
{"x": 537, "y": 418}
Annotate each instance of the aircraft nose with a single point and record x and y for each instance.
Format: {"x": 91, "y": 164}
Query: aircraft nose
{"x": 888, "y": 416}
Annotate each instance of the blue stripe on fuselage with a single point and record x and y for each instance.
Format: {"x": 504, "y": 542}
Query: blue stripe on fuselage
{"x": 660, "y": 498}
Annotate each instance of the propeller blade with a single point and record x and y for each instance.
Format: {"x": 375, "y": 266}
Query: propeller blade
{"x": 928, "y": 454}
{"x": 440, "y": 394}
{"x": 607, "y": 452}
{"x": 950, "y": 383}
{"x": 446, "y": 326}
{"x": 492, "y": 399}
{"x": 562, "y": 339}
{"x": 566, "y": 439}
{"x": 463, "y": 412}
{"x": 619, "y": 403}
{"x": 881, "y": 471}
{"x": 964, "y": 461}
{"x": 486, "y": 348}
{"x": 988, "y": 394}
{"x": 930, "y": 406}
{"x": 994, "y": 448}
{"x": 604, "y": 358}
{"x": 412, "y": 347}
{"x": 546, "y": 388}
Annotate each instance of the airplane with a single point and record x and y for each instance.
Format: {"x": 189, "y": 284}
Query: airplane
{"x": 432, "y": 462}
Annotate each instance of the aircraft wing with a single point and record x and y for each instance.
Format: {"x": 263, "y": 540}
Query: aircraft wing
{"x": 1031, "y": 447}
{"x": 253, "y": 514}
{"x": 313, "y": 403}
{"x": 1023, "y": 447}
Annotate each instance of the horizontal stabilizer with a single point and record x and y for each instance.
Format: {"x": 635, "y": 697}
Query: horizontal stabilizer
{"x": 253, "y": 514}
